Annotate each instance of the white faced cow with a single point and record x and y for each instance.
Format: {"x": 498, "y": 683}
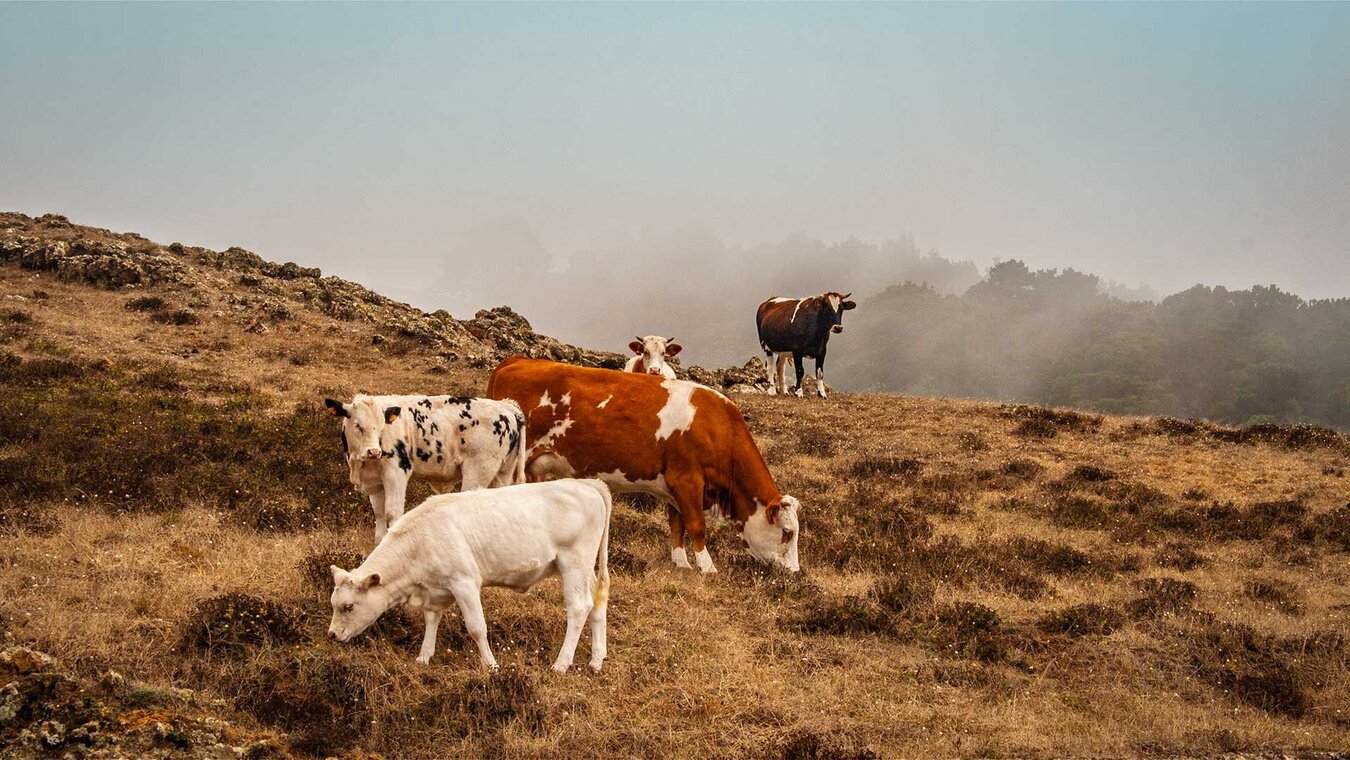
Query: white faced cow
{"x": 800, "y": 327}
{"x": 444, "y": 440}
{"x": 651, "y": 353}
{"x": 445, "y": 551}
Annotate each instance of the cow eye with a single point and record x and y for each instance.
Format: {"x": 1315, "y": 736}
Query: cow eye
{"x": 348, "y": 607}
{"x": 787, "y": 536}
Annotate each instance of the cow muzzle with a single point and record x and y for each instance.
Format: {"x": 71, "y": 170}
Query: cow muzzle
{"x": 837, "y": 328}
{"x": 372, "y": 454}
{"x": 654, "y": 371}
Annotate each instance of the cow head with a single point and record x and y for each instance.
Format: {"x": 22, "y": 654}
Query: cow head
{"x": 771, "y": 533}
{"x": 654, "y": 349}
{"x": 357, "y": 602}
{"x": 362, "y": 424}
{"x": 836, "y": 304}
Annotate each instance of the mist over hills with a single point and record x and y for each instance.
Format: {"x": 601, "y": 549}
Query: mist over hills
{"x": 929, "y": 325}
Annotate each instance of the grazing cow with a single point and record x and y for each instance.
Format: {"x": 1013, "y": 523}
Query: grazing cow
{"x": 677, "y": 440}
{"x": 453, "y": 545}
{"x": 651, "y": 353}
{"x": 444, "y": 440}
{"x": 800, "y": 327}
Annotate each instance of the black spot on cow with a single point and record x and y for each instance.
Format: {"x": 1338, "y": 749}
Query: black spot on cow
{"x": 464, "y": 414}
{"x": 462, "y": 428}
{"x": 425, "y": 456}
{"x": 438, "y": 459}
{"x": 467, "y": 401}
{"x": 438, "y": 447}
{"x": 404, "y": 463}
{"x": 461, "y": 442}
{"x": 345, "y": 450}
{"x": 426, "y": 402}
{"x": 475, "y": 423}
{"x": 435, "y": 428}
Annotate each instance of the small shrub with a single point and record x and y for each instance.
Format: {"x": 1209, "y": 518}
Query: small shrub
{"x": 1042, "y": 422}
{"x": 1024, "y": 469}
{"x": 1087, "y": 473}
{"x": 884, "y": 465}
{"x": 901, "y": 595}
{"x": 972, "y": 440}
{"x": 175, "y": 317}
{"x": 314, "y": 568}
{"x": 817, "y": 441}
{"x": 146, "y": 303}
{"x": 1245, "y": 664}
{"x": 1162, "y": 596}
{"x": 1282, "y": 595}
{"x": 318, "y": 697}
{"x": 970, "y": 631}
{"x": 809, "y": 745}
{"x": 1083, "y": 620}
{"x": 621, "y": 561}
{"x": 1331, "y": 527}
{"x": 1178, "y": 556}
{"x": 236, "y": 622}
{"x": 845, "y": 616}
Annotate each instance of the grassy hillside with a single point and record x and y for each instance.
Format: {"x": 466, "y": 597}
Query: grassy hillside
{"x": 979, "y": 580}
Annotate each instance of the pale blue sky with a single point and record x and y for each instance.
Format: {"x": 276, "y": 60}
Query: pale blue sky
{"x": 1162, "y": 143}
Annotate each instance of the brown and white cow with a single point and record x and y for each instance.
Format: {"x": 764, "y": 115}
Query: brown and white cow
{"x": 650, "y": 356}
{"x": 800, "y": 327}
{"x": 680, "y": 441}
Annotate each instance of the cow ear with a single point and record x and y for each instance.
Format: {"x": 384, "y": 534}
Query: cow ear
{"x": 371, "y": 581}
{"x": 673, "y": 348}
{"x": 635, "y": 346}
{"x": 845, "y": 306}
{"x": 338, "y": 573}
{"x": 335, "y": 407}
{"x": 771, "y": 512}
{"x": 391, "y": 414}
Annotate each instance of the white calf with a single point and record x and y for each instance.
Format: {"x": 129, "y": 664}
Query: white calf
{"x": 651, "y": 353}
{"x": 455, "y": 544}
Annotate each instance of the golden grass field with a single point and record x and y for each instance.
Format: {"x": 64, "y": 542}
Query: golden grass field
{"x": 978, "y": 580}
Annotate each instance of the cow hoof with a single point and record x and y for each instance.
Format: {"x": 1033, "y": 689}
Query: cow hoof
{"x": 773, "y": 391}
{"x": 559, "y": 667}
{"x": 423, "y": 660}
{"x": 799, "y": 393}
{"x": 595, "y": 666}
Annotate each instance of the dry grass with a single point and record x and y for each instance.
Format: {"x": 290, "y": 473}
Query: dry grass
{"x": 979, "y": 580}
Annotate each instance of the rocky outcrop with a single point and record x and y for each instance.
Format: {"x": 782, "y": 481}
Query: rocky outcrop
{"x": 45, "y": 712}
{"x": 510, "y": 334}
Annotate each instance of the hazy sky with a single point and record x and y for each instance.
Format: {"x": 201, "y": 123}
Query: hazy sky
{"x": 1159, "y": 143}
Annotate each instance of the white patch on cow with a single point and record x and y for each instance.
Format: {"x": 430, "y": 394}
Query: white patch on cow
{"x": 678, "y": 413}
{"x": 704, "y": 561}
{"x": 833, "y": 301}
{"x": 544, "y": 401}
{"x": 680, "y": 558}
{"x": 618, "y": 481}
{"x": 558, "y": 430}
{"x": 566, "y": 399}
{"x": 800, "y": 301}
{"x": 602, "y": 404}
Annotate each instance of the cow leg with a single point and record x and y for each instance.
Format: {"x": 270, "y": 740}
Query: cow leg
{"x": 798, "y": 363}
{"x": 598, "y": 618}
{"x": 820, "y": 375}
{"x": 780, "y": 366}
{"x": 381, "y": 522}
{"x": 677, "y": 553}
{"x": 768, "y": 370}
{"x": 688, "y": 494}
{"x": 469, "y": 598}
{"x": 395, "y": 492}
{"x": 476, "y": 473}
{"x": 577, "y": 583}
{"x": 433, "y": 620}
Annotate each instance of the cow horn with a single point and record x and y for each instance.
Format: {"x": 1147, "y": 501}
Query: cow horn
{"x": 638, "y": 337}
{"x": 670, "y": 340}
{"x": 846, "y": 295}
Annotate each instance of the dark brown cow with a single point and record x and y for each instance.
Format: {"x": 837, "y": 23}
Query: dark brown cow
{"x": 800, "y": 327}
{"x": 680, "y": 441}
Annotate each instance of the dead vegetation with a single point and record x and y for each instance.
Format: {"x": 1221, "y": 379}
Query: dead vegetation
{"x": 979, "y": 580}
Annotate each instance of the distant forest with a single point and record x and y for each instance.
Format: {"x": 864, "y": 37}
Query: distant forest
{"x": 1060, "y": 338}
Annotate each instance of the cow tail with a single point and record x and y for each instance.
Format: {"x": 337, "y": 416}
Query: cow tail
{"x": 601, "y": 593}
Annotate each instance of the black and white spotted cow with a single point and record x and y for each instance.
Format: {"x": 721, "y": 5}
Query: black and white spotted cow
{"x": 443, "y": 440}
